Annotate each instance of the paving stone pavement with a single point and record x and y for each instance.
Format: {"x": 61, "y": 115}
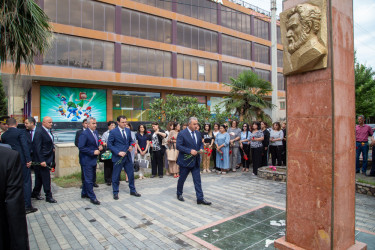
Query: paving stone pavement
{"x": 157, "y": 220}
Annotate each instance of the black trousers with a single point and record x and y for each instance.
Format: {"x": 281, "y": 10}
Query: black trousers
{"x": 265, "y": 157}
{"x": 108, "y": 169}
{"x": 257, "y": 159}
{"x": 372, "y": 172}
{"x": 283, "y": 154}
{"x": 214, "y": 158}
{"x": 42, "y": 178}
{"x": 276, "y": 152}
{"x": 245, "y": 150}
{"x": 157, "y": 162}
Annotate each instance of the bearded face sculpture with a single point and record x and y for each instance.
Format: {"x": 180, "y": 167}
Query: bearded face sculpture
{"x": 304, "y": 48}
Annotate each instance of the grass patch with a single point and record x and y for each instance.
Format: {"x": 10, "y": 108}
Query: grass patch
{"x": 366, "y": 182}
{"x": 74, "y": 180}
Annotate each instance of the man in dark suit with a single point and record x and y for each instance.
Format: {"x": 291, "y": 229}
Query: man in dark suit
{"x": 120, "y": 143}
{"x": 89, "y": 149}
{"x": 30, "y": 125}
{"x": 190, "y": 145}
{"x": 76, "y": 140}
{"x": 16, "y": 138}
{"x": 44, "y": 151}
{"x": 3, "y": 124}
{"x": 13, "y": 225}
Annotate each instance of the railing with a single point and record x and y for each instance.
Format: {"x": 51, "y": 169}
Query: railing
{"x": 253, "y": 7}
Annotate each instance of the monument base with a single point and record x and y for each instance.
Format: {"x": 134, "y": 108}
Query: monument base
{"x": 282, "y": 244}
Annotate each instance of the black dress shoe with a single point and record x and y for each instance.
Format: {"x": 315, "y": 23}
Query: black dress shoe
{"x": 160, "y": 176}
{"x": 51, "y": 200}
{"x": 84, "y": 196}
{"x": 204, "y": 202}
{"x": 96, "y": 185}
{"x": 180, "y": 198}
{"x": 30, "y": 210}
{"x": 109, "y": 184}
{"x": 115, "y": 196}
{"x": 95, "y": 202}
{"x": 152, "y": 176}
{"x": 357, "y": 172}
{"x": 135, "y": 194}
{"x": 371, "y": 175}
{"x": 37, "y": 197}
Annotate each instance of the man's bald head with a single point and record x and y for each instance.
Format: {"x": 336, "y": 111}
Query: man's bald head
{"x": 47, "y": 122}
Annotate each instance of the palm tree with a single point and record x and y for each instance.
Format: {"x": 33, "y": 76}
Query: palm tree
{"x": 249, "y": 97}
{"x": 25, "y": 32}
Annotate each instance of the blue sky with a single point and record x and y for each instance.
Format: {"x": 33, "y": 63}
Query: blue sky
{"x": 364, "y": 27}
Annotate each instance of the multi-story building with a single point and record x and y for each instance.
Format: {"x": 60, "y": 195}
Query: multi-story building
{"x": 113, "y": 57}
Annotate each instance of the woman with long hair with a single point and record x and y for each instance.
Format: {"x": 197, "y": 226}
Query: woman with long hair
{"x": 208, "y": 141}
{"x": 170, "y": 125}
{"x": 214, "y": 133}
{"x": 256, "y": 146}
{"x": 245, "y": 147}
{"x": 276, "y": 143}
{"x": 142, "y": 146}
{"x": 222, "y": 141}
{"x": 265, "y": 142}
{"x": 172, "y": 139}
{"x": 158, "y": 150}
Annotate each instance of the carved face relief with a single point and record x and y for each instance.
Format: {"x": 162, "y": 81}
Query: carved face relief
{"x": 304, "y": 35}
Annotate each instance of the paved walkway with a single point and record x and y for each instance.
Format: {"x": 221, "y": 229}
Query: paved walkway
{"x": 157, "y": 220}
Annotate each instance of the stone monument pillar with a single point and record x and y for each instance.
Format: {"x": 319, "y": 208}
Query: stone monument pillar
{"x": 319, "y": 67}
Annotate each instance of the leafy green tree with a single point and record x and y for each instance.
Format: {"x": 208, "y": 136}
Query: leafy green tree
{"x": 248, "y": 97}
{"x": 220, "y": 116}
{"x": 3, "y": 100}
{"x": 25, "y": 32}
{"x": 179, "y": 109}
{"x": 364, "y": 90}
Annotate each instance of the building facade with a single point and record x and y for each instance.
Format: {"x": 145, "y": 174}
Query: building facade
{"x": 113, "y": 57}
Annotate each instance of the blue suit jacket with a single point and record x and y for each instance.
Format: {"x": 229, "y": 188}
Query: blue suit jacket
{"x": 87, "y": 145}
{"x": 185, "y": 144}
{"x": 116, "y": 143}
{"x": 17, "y": 140}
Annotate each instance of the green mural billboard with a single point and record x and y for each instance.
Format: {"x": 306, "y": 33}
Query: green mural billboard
{"x": 65, "y": 104}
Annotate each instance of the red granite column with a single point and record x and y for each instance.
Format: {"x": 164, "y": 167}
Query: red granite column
{"x": 321, "y": 144}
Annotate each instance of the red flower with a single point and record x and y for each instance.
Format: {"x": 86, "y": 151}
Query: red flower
{"x": 52, "y": 170}
{"x": 150, "y": 142}
{"x": 101, "y": 142}
{"x": 245, "y": 157}
{"x": 133, "y": 144}
{"x": 253, "y": 137}
{"x": 230, "y": 152}
{"x": 143, "y": 148}
{"x": 148, "y": 132}
{"x": 173, "y": 138}
{"x": 222, "y": 159}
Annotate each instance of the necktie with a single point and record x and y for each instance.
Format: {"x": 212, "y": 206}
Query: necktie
{"x": 96, "y": 138}
{"x": 123, "y": 134}
{"x": 192, "y": 134}
{"x": 31, "y": 135}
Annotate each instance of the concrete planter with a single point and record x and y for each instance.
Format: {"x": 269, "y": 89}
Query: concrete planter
{"x": 280, "y": 175}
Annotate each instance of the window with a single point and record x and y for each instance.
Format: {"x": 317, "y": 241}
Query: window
{"x": 236, "y": 47}
{"x": 279, "y": 35}
{"x": 144, "y": 61}
{"x": 230, "y": 70}
{"x": 204, "y": 10}
{"x": 280, "y": 55}
{"x": 145, "y": 26}
{"x": 82, "y": 13}
{"x": 80, "y": 53}
{"x": 282, "y": 105}
{"x": 166, "y": 5}
{"x": 195, "y": 68}
{"x": 261, "y": 53}
{"x": 134, "y": 105}
{"x": 280, "y": 82}
{"x": 263, "y": 74}
{"x": 234, "y": 19}
{"x": 196, "y": 38}
{"x": 261, "y": 28}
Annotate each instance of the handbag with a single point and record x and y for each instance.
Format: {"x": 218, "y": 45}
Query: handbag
{"x": 136, "y": 166}
{"x": 172, "y": 153}
{"x": 142, "y": 163}
{"x": 107, "y": 155}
